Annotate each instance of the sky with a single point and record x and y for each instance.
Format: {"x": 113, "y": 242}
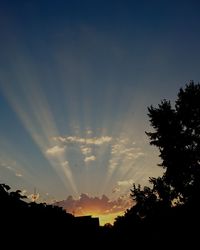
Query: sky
{"x": 76, "y": 79}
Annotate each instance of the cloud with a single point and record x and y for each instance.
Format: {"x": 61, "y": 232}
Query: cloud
{"x": 124, "y": 150}
{"x": 115, "y": 190}
{"x": 89, "y": 132}
{"x": 18, "y": 174}
{"x": 65, "y": 164}
{"x": 125, "y": 183}
{"x": 86, "y": 205}
{"x": 12, "y": 169}
{"x": 123, "y": 153}
{"x": 55, "y": 150}
{"x": 90, "y": 158}
{"x": 2, "y": 164}
{"x": 23, "y": 192}
{"x": 85, "y": 150}
{"x": 113, "y": 164}
{"x": 34, "y": 197}
{"x": 9, "y": 164}
{"x": 80, "y": 140}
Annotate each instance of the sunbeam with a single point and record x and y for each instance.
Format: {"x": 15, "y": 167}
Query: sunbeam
{"x": 74, "y": 92}
{"x": 32, "y": 108}
{"x": 79, "y": 149}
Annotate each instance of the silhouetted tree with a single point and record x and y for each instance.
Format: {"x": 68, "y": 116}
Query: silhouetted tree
{"x": 145, "y": 200}
{"x": 151, "y": 201}
{"x": 177, "y": 135}
{"x": 173, "y": 200}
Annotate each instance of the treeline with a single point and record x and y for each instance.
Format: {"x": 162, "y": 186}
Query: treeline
{"x": 41, "y": 223}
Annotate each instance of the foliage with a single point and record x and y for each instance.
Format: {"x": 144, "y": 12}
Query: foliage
{"x": 176, "y": 133}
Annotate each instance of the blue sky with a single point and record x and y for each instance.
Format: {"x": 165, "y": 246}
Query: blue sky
{"x": 76, "y": 78}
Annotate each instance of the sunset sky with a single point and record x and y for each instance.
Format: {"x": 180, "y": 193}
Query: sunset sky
{"x": 76, "y": 78}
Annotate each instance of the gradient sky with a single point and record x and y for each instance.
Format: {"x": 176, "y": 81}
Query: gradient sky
{"x": 76, "y": 78}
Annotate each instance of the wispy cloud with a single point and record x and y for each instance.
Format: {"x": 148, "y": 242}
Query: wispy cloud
{"x": 118, "y": 154}
{"x": 112, "y": 164}
{"x": 80, "y": 140}
{"x": 90, "y": 158}
{"x": 55, "y": 150}
{"x": 115, "y": 190}
{"x": 85, "y": 150}
{"x": 65, "y": 164}
{"x": 23, "y": 192}
{"x": 12, "y": 169}
{"x": 123, "y": 151}
{"x": 18, "y": 174}
{"x": 125, "y": 183}
{"x": 89, "y": 131}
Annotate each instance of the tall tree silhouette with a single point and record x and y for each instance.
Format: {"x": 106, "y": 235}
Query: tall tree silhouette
{"x": 177, "y": 135}
{"x": 173, "y": 200}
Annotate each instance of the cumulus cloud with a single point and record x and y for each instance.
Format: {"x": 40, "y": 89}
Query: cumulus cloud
{"x": 90, "y": 158}
{"x": 86, "y": 205}
{"x": 55, "y": 150}
{"x": 80, "y": 140}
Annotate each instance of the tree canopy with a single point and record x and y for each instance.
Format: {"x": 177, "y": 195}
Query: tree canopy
{"x": 177, "y": 135}
{"x": 167, "y": 211}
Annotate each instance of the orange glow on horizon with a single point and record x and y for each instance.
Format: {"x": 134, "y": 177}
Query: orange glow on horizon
{"x": 102, "y": 207}
{"x": 109, "y": 218}
{"x": 103, "y": 218}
